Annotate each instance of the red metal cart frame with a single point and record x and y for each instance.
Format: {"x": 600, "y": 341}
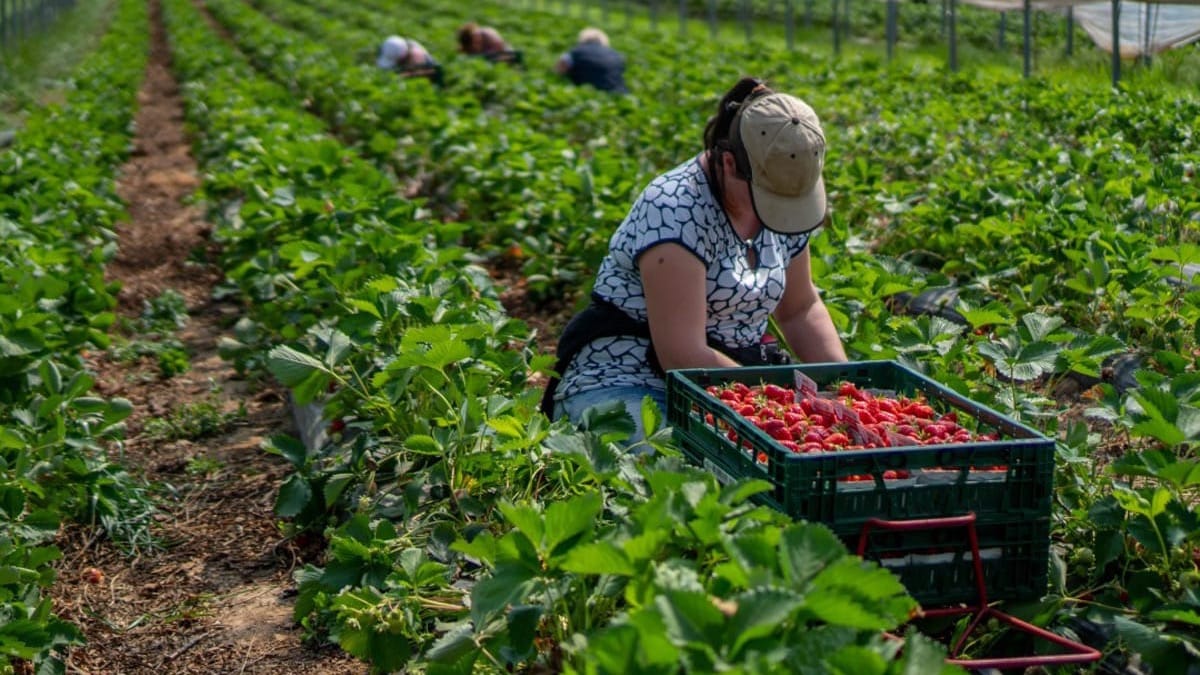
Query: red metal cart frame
{"x": 1075, "y": 652}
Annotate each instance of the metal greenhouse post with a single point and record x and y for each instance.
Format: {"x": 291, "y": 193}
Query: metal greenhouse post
{"x": 891, "y": 28}
{"x": 845, "y": 21}
{"x": 954, "y": 36}
{"x": 1002, "y": 30}
{"x": 1027, "y": 31}
{"x": 712, "y": 18}
{"x": 746, "y": 20}
{"x": 3, "y": 24}
{"x": 790, "y": 18}
{"x": 1116, "y": 42}
{"x": 808, "y": 9}
{"x": 837, "y": 35}
{"x": 1070, "y": 29}
{"x": 654, "y": 14}
{"x": 682, "y": 18}
{"x": 1145, "y": 49}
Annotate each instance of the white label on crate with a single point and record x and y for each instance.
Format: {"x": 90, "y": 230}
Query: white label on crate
{"x": 722, "y": 476}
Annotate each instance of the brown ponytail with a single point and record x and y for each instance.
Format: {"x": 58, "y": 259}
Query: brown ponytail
{"x": 716, "y": 132}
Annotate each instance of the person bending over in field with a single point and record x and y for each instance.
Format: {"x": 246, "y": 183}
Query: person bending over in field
{"x": 592, "y": 61}
{"x": 710, "y": 250}
{"x": 485, "y": 41}
{"x": 409, "y": 58}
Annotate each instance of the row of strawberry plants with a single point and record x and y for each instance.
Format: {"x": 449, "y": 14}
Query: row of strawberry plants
{"x": 1027, "y": 340}
{"x": 890, "y": 178}
{"x": 438, "y": 464}
{"x": 462, "y": 154}
{"x": 58, "y": 207}
{"x": 921, "y": 23}
{"x": 860, "y": 310}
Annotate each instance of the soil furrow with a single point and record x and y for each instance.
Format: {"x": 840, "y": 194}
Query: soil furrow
{"x": 215, "y": 596}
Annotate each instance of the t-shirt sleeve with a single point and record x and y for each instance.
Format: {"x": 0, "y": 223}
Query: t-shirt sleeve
{"x": 796, "y": 245}
{"x": 665, "y": 213}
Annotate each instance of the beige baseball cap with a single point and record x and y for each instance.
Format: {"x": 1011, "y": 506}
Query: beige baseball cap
{"x": 785, "y": 148}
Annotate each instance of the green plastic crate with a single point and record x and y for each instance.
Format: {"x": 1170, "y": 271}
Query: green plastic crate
{"x": 806, "y": 486}
{"x": 937, "y": 568}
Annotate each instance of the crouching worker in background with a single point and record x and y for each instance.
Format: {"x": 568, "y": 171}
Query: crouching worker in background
{"x": 409, "y": 58}
{"x": 485, "y": 41}
{"x": 707, "y": 254}
{"x": 592, "y": 61}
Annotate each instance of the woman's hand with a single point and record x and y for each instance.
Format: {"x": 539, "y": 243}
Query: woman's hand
{"x": 804, "y": 319}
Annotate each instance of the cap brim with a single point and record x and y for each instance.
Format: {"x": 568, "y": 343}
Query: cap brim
{"x": 790, "y": 215}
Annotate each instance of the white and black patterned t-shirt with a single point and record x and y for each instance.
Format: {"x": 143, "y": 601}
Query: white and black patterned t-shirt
{"x": 678, "y": 207}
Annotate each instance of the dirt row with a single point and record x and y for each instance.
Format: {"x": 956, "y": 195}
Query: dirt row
{"x": 216, "y": 595}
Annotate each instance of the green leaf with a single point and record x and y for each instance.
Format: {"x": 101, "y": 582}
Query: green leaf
{"x": 89, "y": 404}
{"x": 522, "y": 627}
{"x": 652, "y": 415}
{"x": 805, "y": 550}
{"x": 482, "y": 547}
{"x": 1188, "y": 422}
{"x": 1181, "y": 253}
{"x": 1131, "y": 500}
{"x": 11, "y": 439}
{"x": 1177, "y": 615}
{"x": 294, "y": 495}
{"x": 23, "y": 638}
{"x": 508, "y": 585}
{"x": 118, "y": 409}
{"x": 292, "y": 367}
{"x": 11, "y": 575}
{"x": 853, "y": 660}
{"x": 507, "y": 426}
{"x": 1165, "y": 652}
{"x": 565, "y": 520}
{"x": 1160, "y": 430}
{"x": 424, "y": 445}
{"x": 739, "y": 491}
{"x": 526, "y": 520}
{"x": 761, "y": 612}
{"x": 385, "y": 651}
{"x": 334, "y": 487}
{"x": 690, "y": 617}
{"x": 597, "y": 557}
{"x": 339, "y": 347}
{"x": 856, "y": 594}
{"x": 455, "y": 651}
{"x": 291, "y": 449}
{"x": 986, "y": 317}
{"x": 922, "y": 656}
{"x": 1040, "y": 325}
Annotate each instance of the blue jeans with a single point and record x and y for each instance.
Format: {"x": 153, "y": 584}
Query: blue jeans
{"x": 574, "y": 405}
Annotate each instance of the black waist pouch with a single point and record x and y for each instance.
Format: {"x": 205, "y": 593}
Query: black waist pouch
{"x": 604, "y": 319}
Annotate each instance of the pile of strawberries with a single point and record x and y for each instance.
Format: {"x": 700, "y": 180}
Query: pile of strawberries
{"x": 805, "y": 421}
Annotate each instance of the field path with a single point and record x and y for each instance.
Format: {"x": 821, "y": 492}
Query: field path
{"x": 216, "y": 596}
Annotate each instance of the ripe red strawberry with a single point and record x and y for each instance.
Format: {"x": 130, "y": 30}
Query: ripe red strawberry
{"x": 778, "y": 394}
{"x": 836, "y": 440}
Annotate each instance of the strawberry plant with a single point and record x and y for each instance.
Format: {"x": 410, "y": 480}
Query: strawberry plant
{"x": 1040, "y": 218}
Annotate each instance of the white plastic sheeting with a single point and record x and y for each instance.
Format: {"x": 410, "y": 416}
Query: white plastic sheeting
{"x": 1145, "y": 28}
